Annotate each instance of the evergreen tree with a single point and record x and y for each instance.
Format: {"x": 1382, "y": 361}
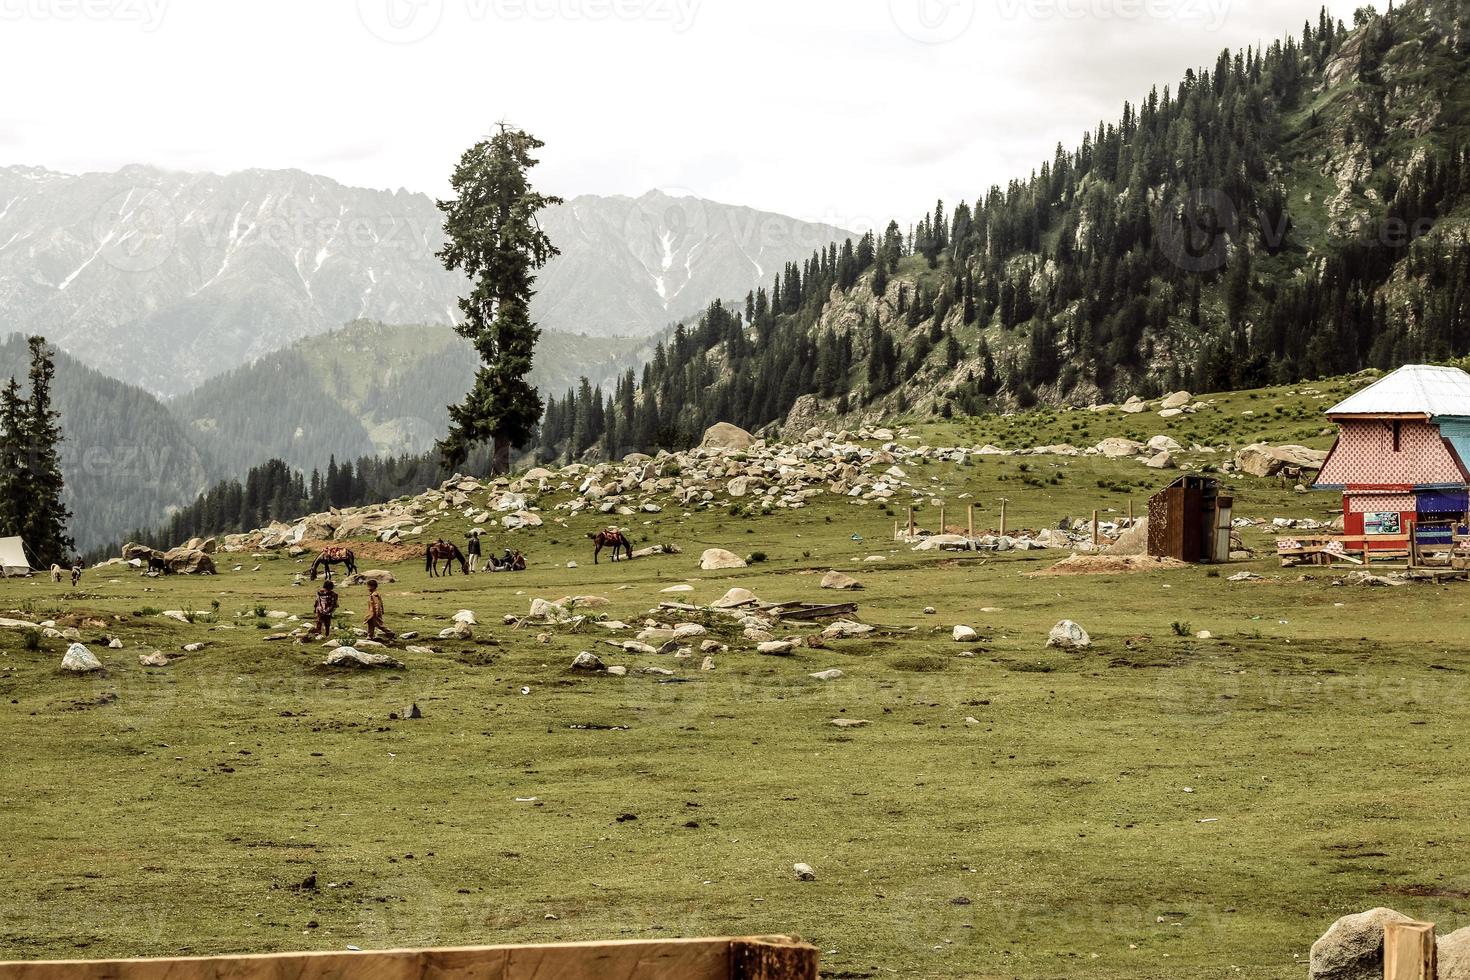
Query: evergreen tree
{"x": 46, "y": 516}
{"x": 492, "y": 236}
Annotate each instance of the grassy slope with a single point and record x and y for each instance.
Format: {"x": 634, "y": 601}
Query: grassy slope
{"x": 170, "y": 811}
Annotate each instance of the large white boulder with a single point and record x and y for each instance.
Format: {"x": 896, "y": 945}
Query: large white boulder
{"x": 80, "y": 660}
{"x": 1067, "y": 635}
{"x": 723, "y": 435}
{"x": 716, "y": 558}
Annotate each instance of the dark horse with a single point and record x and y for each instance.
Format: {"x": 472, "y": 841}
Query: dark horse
{"x": 610, "y": 538}
{"x": 335, "y": 555}
{"x": 448, "y": 553}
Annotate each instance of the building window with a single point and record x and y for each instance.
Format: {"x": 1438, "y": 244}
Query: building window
{"x": 1397, "y": 433}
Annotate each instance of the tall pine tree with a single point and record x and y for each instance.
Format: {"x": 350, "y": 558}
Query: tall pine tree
{"x": 493, "y": 237}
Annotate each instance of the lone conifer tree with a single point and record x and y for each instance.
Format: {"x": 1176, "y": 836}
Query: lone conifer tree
{"x": 492, "y": 236}
{"x": 44, "y": 527}
{"x": 14, "y": 477}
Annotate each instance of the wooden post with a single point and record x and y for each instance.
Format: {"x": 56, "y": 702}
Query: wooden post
{"x": 911, "y": 523}
{"x": 941, "y": 520}
{"x": 972, "y": 522}
{"x": 1130, "y": 512}
{"x": 1094, "y": 530}
{"x": 1408, "y": 951}
{"x": 1413, "y": 545}
{"x": 1002, "y": 518}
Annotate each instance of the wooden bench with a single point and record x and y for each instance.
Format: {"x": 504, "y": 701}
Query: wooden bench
{"x": 750, "y": 958}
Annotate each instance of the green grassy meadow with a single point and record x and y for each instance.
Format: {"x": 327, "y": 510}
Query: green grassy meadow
{"x": 1159, "y": 806}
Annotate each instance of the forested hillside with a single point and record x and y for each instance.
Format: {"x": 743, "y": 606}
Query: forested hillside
{"x": 368, "y": 388}
{"x": 1290, "y": 211}
{"x": 125, "y": 459}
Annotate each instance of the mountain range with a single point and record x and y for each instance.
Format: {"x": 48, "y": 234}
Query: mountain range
{"x": 166, "y": 279}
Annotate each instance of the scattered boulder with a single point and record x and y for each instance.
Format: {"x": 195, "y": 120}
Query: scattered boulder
{"x": 154, "y": 659}
{"x": 717, "y": 558}
{"x": 1120, "y": 448}
{"x": 826, "y": 675}
{"x": 466, "y": 616}
{"x": 1260, "y": 459}
{"x": 189, "y": 561}
{"x": 588, "y": 662}
{"x": 734, "y": 599}
{"x": 965, "y": 634}
{"x": 776, "y": 648}
{"x": 844, "y": 629}
{"x": 723, "y": 435}
{"x": 1453, "y": 953}
{"x": 459, "y": 631}
{"x": 80, "y": 660}
{"x": 1177, "y": 400}
{"x": 379, "y": 575}
{"x": 351, "y": 657}
{"x": 840, "y": 582}
{"x": 1352, "y": 949}
{"x": 1067, "y": 635}
{"x": 804, "y": 872}
{"x": 1163, "y": 461}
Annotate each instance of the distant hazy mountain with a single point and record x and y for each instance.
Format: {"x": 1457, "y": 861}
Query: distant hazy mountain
{"x": 165, "y": 279}
{"x": 367, "y": 389}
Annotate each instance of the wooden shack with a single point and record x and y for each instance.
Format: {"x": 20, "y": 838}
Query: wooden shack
{"x": 1188, "y": 520}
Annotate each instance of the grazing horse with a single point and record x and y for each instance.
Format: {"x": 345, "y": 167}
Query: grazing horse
{"x": 334, "y": 555}
{"x": 156, "y": 563}
{"x": 448, "y": 552}
{"x": 610, "y": 538}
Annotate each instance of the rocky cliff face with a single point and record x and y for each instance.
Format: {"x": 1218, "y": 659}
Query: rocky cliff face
{"x": 165, "y": 279}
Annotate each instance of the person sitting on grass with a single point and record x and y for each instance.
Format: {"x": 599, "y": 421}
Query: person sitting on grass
{"x": 374, "y": 618}
{"x": 324, "y": 610}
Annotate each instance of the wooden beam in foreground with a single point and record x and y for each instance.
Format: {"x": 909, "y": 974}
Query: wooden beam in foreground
{"x": 752, "y": 958}
{"x": 1409, "y": 951}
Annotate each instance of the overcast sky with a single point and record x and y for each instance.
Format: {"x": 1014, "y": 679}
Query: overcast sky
{"x": 848, "y": 111}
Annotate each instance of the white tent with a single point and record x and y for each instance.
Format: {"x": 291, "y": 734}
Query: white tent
{"x": 13, "y": 557}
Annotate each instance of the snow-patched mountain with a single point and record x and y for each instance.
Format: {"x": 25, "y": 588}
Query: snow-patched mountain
{"x": 167, "y": 278}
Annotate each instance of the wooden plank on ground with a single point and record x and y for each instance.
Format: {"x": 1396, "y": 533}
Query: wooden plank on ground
{"x": 762, "y": 957}
{"x": 1408, "y": 951}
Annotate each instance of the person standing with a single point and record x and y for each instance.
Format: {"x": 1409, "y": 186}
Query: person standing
{"x": 472, "y": 548}
{"x": 374, "y": 620}
{"x": 323, "y": 611}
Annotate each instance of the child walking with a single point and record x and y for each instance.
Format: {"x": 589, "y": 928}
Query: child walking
{"x": 374, "y": 618}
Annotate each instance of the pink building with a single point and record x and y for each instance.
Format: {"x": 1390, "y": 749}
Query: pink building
{"x": 1399, "y": 459}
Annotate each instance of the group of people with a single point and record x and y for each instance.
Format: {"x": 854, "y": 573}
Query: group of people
{"x": 511, "y": 561}
{"x": 325, "y": 610}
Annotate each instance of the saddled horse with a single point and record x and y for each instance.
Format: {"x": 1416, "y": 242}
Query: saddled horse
{"x": 610, "y": 538}
{"x": 334, "y": 555}
{"x": 448, "y": 552}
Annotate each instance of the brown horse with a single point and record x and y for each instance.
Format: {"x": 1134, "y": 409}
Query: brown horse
{"x": 610, "y": 538}
{"x": 334, "y": 555}
{"x": 448, "y": 553}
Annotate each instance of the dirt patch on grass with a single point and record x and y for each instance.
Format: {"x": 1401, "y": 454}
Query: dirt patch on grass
{"x": 1110, "y": 565}
{"x": 378, "y": 551}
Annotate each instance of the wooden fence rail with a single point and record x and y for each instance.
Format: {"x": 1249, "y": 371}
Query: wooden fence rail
{"x": 751, "y": 958}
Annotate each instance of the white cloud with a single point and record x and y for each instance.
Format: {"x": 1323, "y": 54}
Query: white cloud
{"x": 849, "y": 112}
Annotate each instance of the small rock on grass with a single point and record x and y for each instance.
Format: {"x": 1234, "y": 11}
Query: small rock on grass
{"x": 965, "y": 634}
{"x": 154, "y": 659}
{"x": 80, "y": 660}
{"x": 826, "y": 675}
{"x": 588, "y": 662}
{"x": 804, "y": 872}
{"x": 850, "y": 722}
